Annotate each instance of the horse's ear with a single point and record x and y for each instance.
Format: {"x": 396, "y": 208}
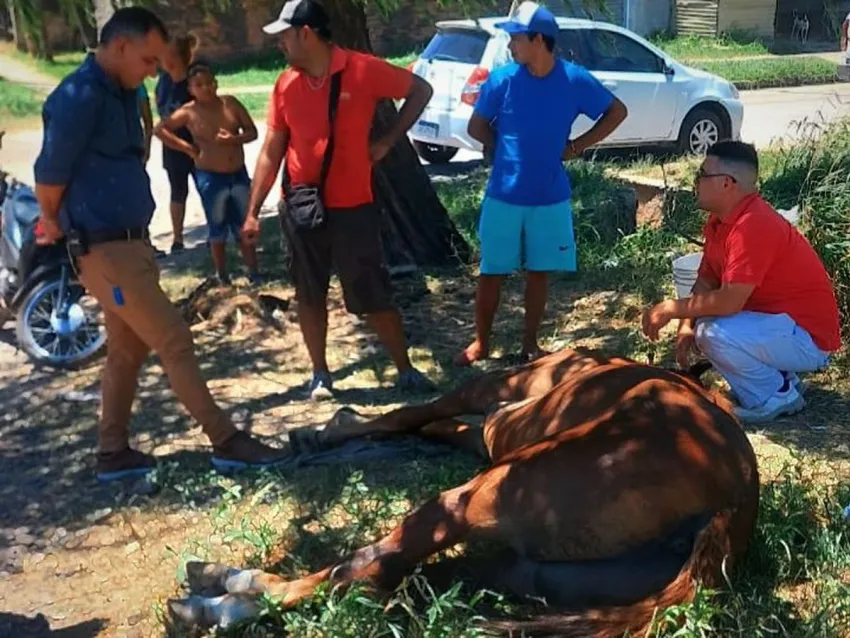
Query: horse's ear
{"x": 694, "y": 371}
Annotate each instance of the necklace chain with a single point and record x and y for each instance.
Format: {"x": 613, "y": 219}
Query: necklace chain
{"x": 317, "y": 87}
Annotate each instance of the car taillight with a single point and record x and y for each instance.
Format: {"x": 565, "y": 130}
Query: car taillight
{"x": 469, "y": 94}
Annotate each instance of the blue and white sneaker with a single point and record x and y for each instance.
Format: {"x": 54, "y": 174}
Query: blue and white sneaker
{"x": 321, "y": 386}
{"x": 127, "y": 463}
{"x": 243, "y": 452}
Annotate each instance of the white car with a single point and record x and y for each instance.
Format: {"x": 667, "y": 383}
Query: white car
{"x": 668, "y": 102}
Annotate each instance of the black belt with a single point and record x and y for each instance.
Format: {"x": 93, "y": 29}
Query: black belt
{"x": 119, "y": 234}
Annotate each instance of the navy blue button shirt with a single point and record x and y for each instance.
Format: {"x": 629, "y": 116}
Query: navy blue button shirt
{"x": 94, "y": 145}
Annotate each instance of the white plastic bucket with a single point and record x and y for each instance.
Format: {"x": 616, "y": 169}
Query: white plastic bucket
{"x": 792, "y": 215}
{"x": 685, "y": 270}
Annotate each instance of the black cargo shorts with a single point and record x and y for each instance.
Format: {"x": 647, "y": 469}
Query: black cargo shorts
{"x": 350, "y": 240}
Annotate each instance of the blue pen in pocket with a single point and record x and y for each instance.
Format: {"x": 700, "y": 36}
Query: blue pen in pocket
{"x": 118, "y": 296}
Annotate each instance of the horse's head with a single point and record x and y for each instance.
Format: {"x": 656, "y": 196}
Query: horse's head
{"x": 695, "y": 371}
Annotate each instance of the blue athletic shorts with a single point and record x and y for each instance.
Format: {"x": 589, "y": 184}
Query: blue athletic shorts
{"x": 225, "y": 200}
{"x": 542, "y": 234}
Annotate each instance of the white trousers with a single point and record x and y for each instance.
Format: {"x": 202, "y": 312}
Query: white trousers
{"x": 752, "y": 349}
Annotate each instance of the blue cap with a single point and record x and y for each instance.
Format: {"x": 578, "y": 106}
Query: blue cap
{"x": 530, "y": 17}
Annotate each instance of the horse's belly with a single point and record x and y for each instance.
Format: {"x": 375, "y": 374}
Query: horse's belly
{"x": 563, "y": 507}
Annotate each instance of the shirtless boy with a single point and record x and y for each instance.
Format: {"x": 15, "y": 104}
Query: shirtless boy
{"x": 220, "y": 126}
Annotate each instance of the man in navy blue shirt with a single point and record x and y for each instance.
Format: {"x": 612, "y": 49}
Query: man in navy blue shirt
{"x": 91, "y": 181}
{"x": 523, "y": 117}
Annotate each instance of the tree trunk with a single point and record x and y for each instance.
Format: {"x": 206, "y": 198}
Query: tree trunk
{"x": 82, "y": 27}
{"x": 417, "y": 230}
{"x": 15, "y": 20}
{"x": 45, "y": 46}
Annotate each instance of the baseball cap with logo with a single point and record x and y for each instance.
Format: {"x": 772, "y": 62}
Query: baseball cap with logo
{"x": 530, "y": 17}
{"x": 299, "y": 13}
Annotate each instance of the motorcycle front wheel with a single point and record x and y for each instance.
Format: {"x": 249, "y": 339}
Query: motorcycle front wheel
{"x": 59, "y": 324}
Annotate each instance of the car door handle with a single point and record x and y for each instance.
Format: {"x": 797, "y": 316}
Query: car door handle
{"x": 610, "y": 84}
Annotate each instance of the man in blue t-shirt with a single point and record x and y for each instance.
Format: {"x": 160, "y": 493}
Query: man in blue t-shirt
{"x": 523, "y": 118}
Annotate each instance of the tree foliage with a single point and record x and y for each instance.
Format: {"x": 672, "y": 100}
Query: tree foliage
{"x": 28, "y": 17}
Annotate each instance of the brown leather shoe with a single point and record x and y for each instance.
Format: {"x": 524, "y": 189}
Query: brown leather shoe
{"x": 242, "y": 451}
{"x": 114, "y": 466}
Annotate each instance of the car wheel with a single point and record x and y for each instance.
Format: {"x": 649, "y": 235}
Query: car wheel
{"x": 701, "y": 129}
{"x": 435, "y": 153}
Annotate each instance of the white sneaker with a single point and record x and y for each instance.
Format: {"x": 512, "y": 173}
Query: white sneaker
{"x": 792, "y": 378}
{"x": 780, "y": 404}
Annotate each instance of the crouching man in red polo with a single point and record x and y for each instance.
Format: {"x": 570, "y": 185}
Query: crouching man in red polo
{"x": 763, "y": 306}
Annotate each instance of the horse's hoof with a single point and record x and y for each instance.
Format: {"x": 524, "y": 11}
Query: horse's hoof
{"x": 345, "y": 416}
{"x": 188, "y": 611}
{"x": 207, "y": 579}
{"x": 221, "y": 611}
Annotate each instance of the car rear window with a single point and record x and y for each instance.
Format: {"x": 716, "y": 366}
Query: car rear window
{"x": 457, "y": 45}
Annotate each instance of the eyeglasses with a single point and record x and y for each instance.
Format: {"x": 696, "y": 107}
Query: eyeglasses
{"x": 701, "y": 174}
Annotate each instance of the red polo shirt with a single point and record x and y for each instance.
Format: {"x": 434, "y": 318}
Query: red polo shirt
{"x": 302, "y": 110}
{"x": 756, "y": 245}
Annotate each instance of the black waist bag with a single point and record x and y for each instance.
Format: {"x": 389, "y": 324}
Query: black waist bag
{"x": 304, "y": 202}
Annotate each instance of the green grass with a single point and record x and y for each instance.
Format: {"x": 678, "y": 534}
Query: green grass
{"x": 18, "y": 101}
{"x": 610, "y": 252}
{"x": 698, "y": 48}
{"x": 772, "y": 72}
{"x": 256, "y": 103}
{"x": 792, "y": 581}
{"x": 254, "y": 70}
{"x": 264, "y": 69}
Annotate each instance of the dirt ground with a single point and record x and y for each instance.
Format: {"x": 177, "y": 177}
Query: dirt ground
{"x": 100, "y": 560}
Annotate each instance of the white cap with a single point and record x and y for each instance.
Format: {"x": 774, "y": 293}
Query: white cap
{"x": 299, "y": 13}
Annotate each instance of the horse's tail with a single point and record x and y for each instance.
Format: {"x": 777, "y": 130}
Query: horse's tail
{"x": 712, "y": 545}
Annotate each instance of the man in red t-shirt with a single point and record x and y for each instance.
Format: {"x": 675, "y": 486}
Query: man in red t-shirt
{"x": 763, "y": 302}
{"x": 298, "y": 128}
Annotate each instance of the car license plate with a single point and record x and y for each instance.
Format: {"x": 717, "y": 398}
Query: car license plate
{"x": 428, "y": 129}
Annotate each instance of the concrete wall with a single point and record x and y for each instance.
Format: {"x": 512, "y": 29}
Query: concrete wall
{"x": 755, "y": 16}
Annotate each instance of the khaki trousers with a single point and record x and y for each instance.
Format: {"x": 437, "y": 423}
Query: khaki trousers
{"x": 124, "y": 277}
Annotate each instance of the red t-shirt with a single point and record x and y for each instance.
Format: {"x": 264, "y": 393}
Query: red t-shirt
{"x": 755, "y": 245}
{"x": 302, "y": 111}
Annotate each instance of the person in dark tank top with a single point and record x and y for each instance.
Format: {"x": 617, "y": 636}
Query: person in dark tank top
{"x": 172, "y": 92}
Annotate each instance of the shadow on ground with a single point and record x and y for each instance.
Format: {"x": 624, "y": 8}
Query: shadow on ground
{"x": 17, "y": 626}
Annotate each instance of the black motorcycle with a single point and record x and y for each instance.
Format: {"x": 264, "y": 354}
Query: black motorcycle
{"x": 56, "y": 321}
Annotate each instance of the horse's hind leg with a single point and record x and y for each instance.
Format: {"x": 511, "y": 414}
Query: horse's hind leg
{"x": 476, "y": 396}
{"x": 461, "y": 435}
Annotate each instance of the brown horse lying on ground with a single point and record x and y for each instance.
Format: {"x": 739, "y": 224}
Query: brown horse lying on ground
{"x": 616, "y": 484}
